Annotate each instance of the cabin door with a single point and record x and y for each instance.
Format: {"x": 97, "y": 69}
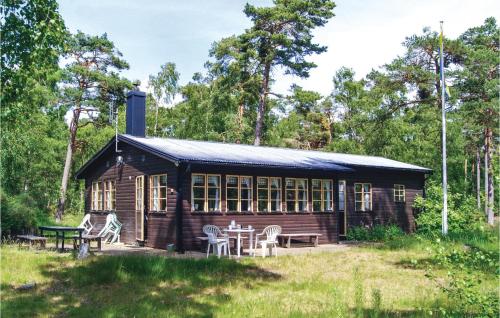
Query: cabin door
{"x": 342, "y": 221}
{"x": 139, "y": 208}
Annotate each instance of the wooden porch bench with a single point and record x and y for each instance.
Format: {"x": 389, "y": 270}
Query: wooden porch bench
{"x": 88, "y": 239}
{"x": 289, "y": 236}
{"x": 32, "y": 240}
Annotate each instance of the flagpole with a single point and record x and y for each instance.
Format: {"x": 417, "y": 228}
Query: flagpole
{"x": 444, "y": 224}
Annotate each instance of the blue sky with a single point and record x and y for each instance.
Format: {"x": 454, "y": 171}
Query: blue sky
{"x": 362, "y": 35}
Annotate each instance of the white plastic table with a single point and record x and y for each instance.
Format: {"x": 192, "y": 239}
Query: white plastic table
{"x": 238, "y": 238}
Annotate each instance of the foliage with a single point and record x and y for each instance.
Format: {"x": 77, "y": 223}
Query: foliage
{"x": 281, "y": 36}
{"x": 464, "y": 267}
{"x": 463, "y": 216}
{"x": 32, "y": 130}
{"x": 378, "y": 233}
{"x": 92, "y": 86}
{"x": 18, "y": 213}
{"x": 164, "y": 88}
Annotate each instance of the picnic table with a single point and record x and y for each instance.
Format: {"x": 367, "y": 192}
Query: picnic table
{"x": 60, "y": 231}
{"x": 289, "y": 236}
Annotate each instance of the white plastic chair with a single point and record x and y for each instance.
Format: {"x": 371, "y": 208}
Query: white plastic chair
{"x": 86, "y": 225}
{"x": 271, "y": 232}
{"x": 107, "y": 226}
{"x": 117, "y": 227}
{"x": 216, "y": 239}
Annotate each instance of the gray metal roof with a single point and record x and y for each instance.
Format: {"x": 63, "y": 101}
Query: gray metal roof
{"x": 237, "y": 154}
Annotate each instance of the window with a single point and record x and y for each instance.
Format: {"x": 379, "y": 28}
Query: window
{"x": 363, "y": 196}
{"x": 268, "y": 194}
{"x": 239, "y": 194}
{"x": 158, "y": 192}
{"x": 109, "y": 195}
{"x": 296, "y": 195}
{"x": 322, "y": 195}
{"x": 96, "y": 196}
{"x": 213, "y": 193}
{"x": 342, "y": 195}
{"x": 399, "y": 193}
{"x": 205, "y": 192}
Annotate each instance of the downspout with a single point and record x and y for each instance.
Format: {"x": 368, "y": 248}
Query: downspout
{"x": 182, "y": 173}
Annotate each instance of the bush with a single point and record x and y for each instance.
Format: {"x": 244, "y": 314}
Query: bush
{"x": 378, "y": 233}
{"x": 466, "y": 269}
{"x": 463, "y": 216}
{"x": 19, "y": 214}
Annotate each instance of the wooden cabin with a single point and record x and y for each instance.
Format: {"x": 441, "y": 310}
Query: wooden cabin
{"x": 164, "y": 190}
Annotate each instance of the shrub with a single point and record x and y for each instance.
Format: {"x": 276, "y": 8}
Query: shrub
{"x": 377, "y": 233}
{"x": 19, "y": 213}
{"x": 466, "y": 268}
{"x": 463, "y": 215}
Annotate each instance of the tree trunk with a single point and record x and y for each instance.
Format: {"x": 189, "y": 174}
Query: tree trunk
{"x": 67, "y": 164}
{"x": 241, "y": 110}
{"x": 465, "y": 170}
{"x": 264, "y": 90}
{"x": 156, "y": 118}
{"x": 478, "y": 179}
{"x": 489, "y": 176}
{"x": 485, "y": 178}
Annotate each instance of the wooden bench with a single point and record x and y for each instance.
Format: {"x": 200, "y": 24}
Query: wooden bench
{"x": 88, "y": 239}
{"x": 289, "y": 236}
{"x": 32, "y": 240}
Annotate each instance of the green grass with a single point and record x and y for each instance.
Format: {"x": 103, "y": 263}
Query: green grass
{"x": 69, "y": 219}
{"x": 367, "y": 281}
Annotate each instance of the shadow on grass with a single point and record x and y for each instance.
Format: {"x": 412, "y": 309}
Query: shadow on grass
{"x": 140, "y": 286}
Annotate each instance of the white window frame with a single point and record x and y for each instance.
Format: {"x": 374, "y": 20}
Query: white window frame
{"x": 205, "y": 192}
{"x": 109, "y": 189}
{"x": 239, "y": 199}
{"x": 322, "y": 195}
{"x": 151, "y": 188}
{"x": 363, "y": 192}
{"x": 296, "y": 198}
{"x": 269, "y": 191}
{"x": 97, "y": 196}
{"x": 399, "y": 193}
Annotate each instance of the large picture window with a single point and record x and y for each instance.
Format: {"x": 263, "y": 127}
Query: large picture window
{"x": 96, "y": 196}
{"x": 342, "y": 189}
{"x": 296, "y": 195}
{"x": 109, "y": 195}
{"x": 363, "y": 196}
{"x": 322, "y": 195}
{"x": 399, "y": 193}
{"x": 158, "y": 193}
{"x": 268, "y": 194}
{"x": 239, "y": 194}
{"x": 205, "y": 193}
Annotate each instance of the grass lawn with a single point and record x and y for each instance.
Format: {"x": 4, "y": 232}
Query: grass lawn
{"x": 365, "y": 281}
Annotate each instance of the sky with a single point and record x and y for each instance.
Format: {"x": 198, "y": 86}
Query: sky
{"x": 362, "y": 35}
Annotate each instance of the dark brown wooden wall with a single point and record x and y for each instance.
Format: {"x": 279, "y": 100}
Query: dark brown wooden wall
{"x": 161, "y": 226}
{"x": 160, "y": 229}
{"x": 385, "y": 210}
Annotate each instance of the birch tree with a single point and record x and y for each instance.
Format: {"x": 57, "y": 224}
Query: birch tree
{"x": 164, "y": 87}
